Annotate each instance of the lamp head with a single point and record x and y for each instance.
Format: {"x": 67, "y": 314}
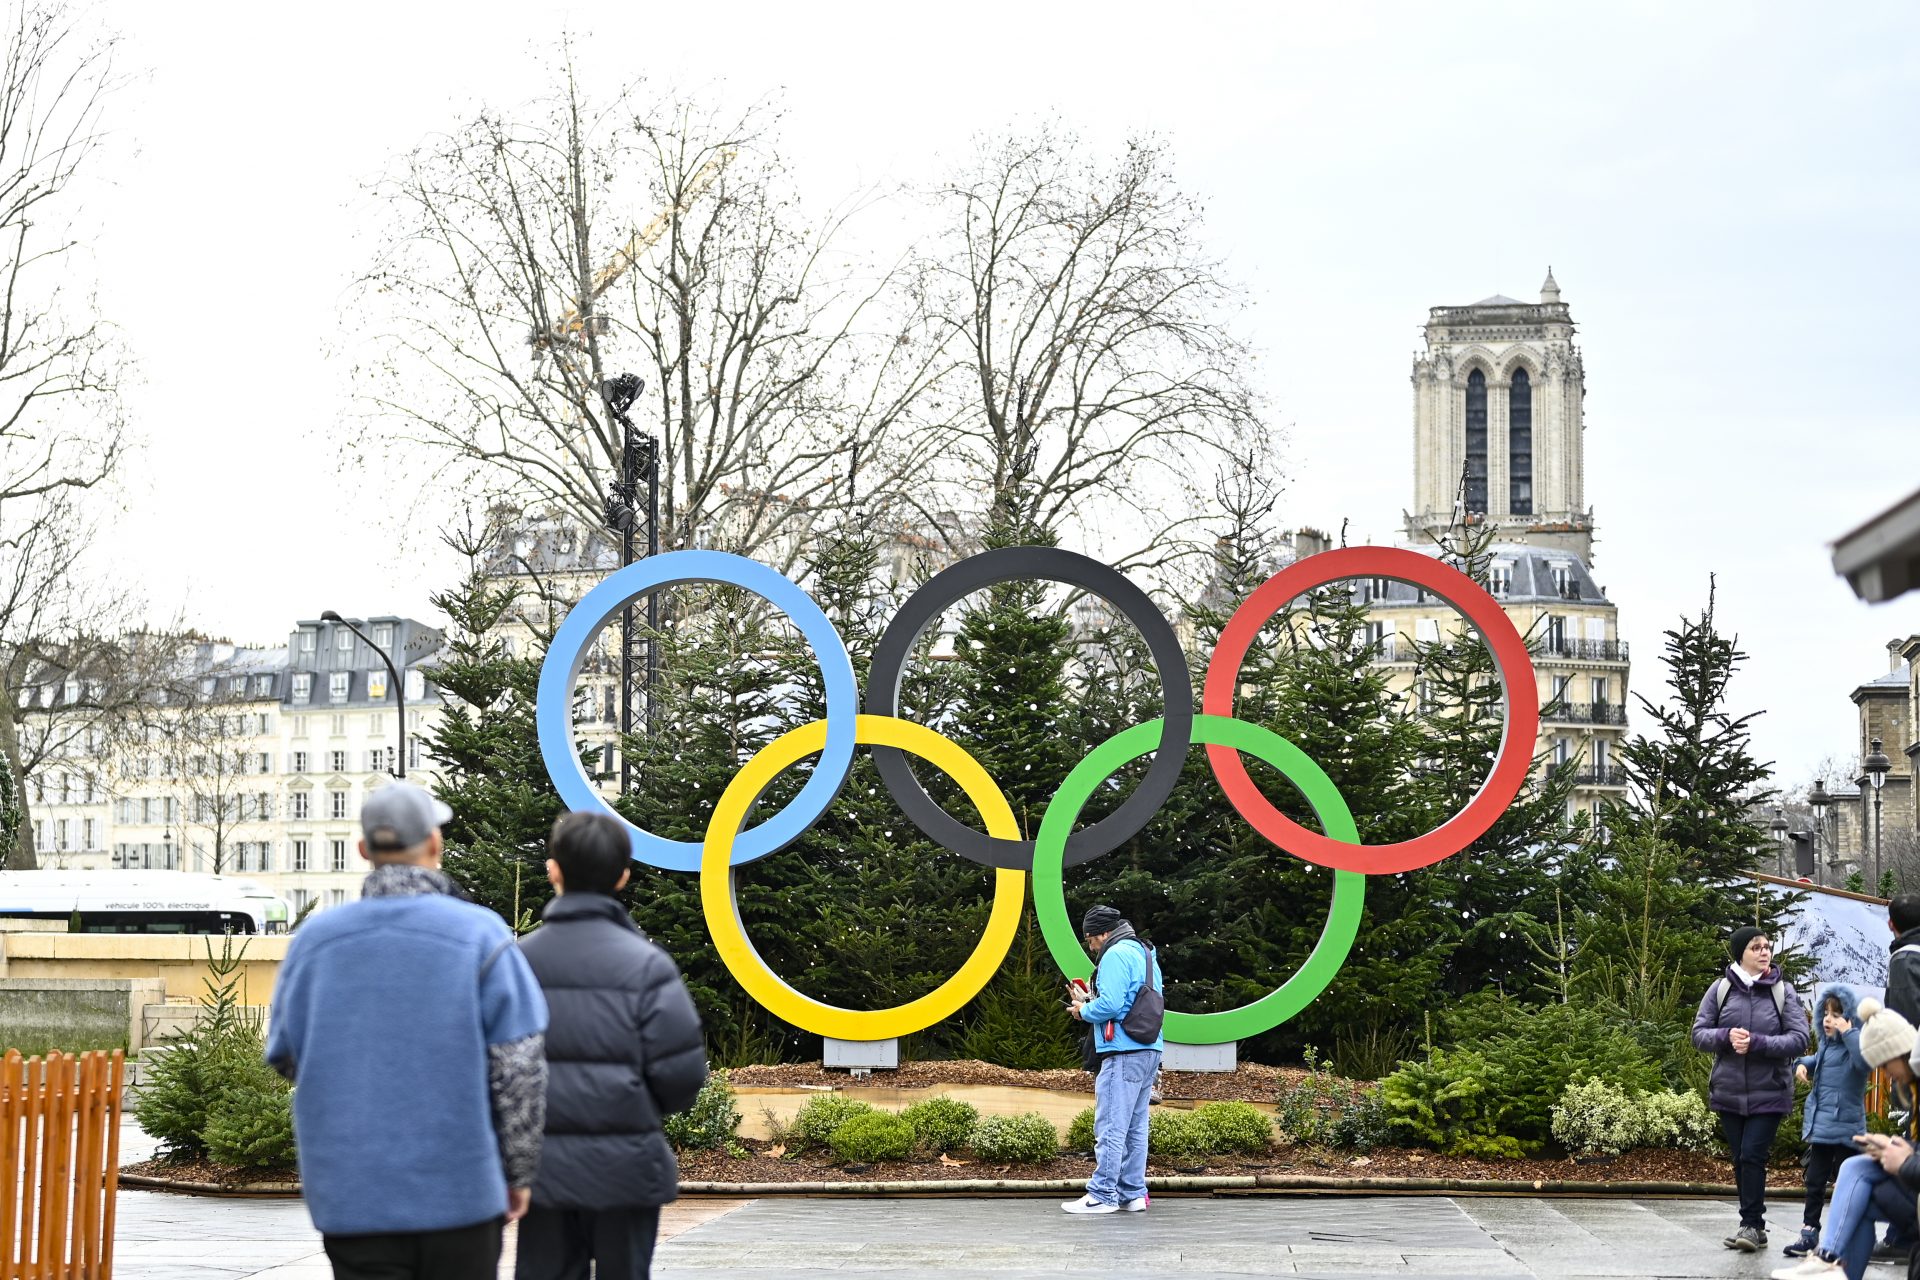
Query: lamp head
{"x": 330, "y": 616}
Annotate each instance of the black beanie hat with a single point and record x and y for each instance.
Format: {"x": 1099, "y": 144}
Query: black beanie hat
{"x": 1099, "y": 920}
{"x": 1742, "y": 937}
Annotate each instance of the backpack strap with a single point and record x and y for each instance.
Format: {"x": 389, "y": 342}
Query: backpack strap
{"x": 1720, "y": 989}
{"x": 1909, "y": 949}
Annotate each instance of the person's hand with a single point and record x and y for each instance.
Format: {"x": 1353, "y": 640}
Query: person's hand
{"x": 1840, "y": 1025}
{"x": 518, "y": 1198}
{"x": 1073, "y": 1010}
{"x": 1800, "y": 1074}
{"x": 1740, "y": 1038}
{"x": 1893, "y": 1154}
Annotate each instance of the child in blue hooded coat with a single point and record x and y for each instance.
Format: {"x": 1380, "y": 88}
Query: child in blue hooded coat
{"x": 1836, "y": 1107}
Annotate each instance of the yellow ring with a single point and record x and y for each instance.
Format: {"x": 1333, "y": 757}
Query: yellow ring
{"x": 721, "y": 903}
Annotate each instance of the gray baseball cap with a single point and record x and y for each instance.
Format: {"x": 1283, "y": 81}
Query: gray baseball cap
{"x": 400, "y": 816}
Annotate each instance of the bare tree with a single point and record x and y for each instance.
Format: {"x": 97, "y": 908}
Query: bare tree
{"x": 60, "y": 421}
{"x": 543, "y": 252}
{"x": 1091, "y": 332}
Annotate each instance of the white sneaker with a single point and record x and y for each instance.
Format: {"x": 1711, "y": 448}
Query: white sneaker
{"x": 1087, "y": 1204}
{"x": 1137, "y": 1206}
{"x": 1813, "y": 1267}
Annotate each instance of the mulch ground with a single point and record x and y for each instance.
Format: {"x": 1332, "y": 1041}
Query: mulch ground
{"x": 1250, "y": 1082}
{"x": 206, "y": 1171}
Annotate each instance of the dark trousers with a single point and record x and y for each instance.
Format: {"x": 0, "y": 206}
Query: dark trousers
{"x": 462, "y": 1253}
{"x": 558, "y": 1244}
{"x": 1749, "y": 1140}
{"x": 1823, "y": 1161}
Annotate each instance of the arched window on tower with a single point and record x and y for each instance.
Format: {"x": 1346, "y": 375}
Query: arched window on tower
{"x": 1476, "y": 480}
{"x": 1520, "y": 444}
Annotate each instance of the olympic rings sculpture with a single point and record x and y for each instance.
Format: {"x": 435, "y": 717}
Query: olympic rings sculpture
{"x": 729, "y": 843}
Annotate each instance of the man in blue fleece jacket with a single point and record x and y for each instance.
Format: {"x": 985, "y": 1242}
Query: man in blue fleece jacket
{"x": 413, "y": 1032}
{"x": 1123, "y": 1090}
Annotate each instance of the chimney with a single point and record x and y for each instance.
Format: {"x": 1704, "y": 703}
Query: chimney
{"x": 1894, "y": 660}
{"x": 1308, "y": 542}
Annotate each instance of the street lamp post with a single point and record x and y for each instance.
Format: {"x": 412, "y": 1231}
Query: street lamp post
{"x": 399, "y": 692}
{"x": 1778, "y": 829}
{"x": 622, "y": 510}
{"x": 1819, "y": 800}
{"x": 1877, "y": 766}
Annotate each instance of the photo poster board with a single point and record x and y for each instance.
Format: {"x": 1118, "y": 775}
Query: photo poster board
{"x": 1844, "y": 934}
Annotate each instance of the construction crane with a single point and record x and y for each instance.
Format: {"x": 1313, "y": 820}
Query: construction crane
{"x": 571, "y": 330}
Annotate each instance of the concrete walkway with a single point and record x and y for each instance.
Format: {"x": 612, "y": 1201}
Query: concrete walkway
{"x": 171, "y": 1237}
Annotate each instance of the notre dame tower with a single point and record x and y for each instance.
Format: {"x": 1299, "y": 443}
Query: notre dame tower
{"x": 1497, "y": 424}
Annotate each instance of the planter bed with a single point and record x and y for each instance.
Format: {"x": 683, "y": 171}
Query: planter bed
{"x": 1286, "y": 1170}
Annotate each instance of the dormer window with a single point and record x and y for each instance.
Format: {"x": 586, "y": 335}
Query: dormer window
{"x": 1500, "y": 579}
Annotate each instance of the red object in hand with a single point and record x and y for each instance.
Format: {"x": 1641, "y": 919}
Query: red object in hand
{"x": 1109, "y": 1033}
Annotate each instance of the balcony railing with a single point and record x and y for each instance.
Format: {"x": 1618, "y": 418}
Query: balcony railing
{"x": 1585, "y": 713}
{"x": 1588, "y": 650}
{"x": 1603, "y": 776}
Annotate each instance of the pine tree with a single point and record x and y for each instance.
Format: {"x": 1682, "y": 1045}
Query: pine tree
{"x": 1695, "y": 781}
{"x": 1502, "y": 889}
{"x": 486, "y": 748}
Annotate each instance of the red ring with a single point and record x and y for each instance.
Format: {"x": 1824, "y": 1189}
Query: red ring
{"x": 1482, "y": 611}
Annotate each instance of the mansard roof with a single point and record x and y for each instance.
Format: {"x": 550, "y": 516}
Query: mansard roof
{"x": 1530, "y": 577}
{"x": 1499, "y": 300}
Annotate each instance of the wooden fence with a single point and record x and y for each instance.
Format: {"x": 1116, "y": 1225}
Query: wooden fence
{"x": 59, "y": 1165}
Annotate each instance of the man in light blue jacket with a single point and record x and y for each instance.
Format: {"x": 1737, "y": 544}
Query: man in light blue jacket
{"x": 1122, "y": 1091}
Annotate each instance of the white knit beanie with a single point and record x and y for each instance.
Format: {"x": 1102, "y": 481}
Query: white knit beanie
{"x": 1884, "y": 1034}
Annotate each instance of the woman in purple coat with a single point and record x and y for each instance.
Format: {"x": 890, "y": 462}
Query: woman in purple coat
{"x": 1752, "y": 1022}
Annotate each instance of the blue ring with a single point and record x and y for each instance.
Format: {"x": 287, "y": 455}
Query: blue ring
{"x": 568, "y": 653}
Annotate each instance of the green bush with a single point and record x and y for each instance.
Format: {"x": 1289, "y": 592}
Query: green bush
{"x": 711, "y": 1123}
{"x": 1596, "y": 1117}
{"x": 1323, "y": 1110}
{"x": 816, "y": 1122}
{"x": 1453, "y": 1101}
{"x": 1080, "y": 1132}
{"x": 250, "y": 1124}
{"x": 1545, "y": 1048}
{"x": 1669, "y": 1119}
{"x": 942, "y": 1124}
{"x": 1176, "y": 1135}
{"x": 210, "y": 1085}
{"x": 1361, "y": 1124}
{"x": 1232, "y": 1127}
{"x": 871, "y": 1136}
{"x": 1027, "y": 1139}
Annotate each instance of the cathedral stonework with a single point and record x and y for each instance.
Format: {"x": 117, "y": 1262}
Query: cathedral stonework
{"x": 1498, "y": 417}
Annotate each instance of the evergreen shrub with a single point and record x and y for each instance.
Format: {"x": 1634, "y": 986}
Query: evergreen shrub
{"x": 1236, "y": 1128}
{"x": 711, "y": 1122}
{"x": 942, "y": 1124}
{"x": 1536, "y": 1051}
{"x": 1080, "y": 1132}
{"x": 209, "y": 1093}
{"x": 1679, "y": 1119}
{"x": 1176, "y": 1135}
{"x": 250, "y": 1122}
{"x": 871, "y": 1136}
{"x": 1595, "y": 1117}
{"x": 1024, "y": 1139}
{"x": 1454, "y": 1101}
{"x": 815, "y": 1123}
{"x": 1323, "y": 1110}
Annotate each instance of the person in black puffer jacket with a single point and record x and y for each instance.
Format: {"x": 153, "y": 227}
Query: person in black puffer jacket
{"x": 624, "y": 1050}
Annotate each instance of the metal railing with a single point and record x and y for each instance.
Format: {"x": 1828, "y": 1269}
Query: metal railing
{"x": 1585, "y": 713}
{"x": 1589, "y": 650}
{"x": 1606, "y": 776}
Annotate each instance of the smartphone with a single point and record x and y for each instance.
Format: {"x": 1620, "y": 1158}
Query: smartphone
{"x": 1080, "y": 987}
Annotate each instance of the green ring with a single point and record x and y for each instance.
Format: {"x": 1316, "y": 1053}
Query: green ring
{"x": 1336, "y": 820}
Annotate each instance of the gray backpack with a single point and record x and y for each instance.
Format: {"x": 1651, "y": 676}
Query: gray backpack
{"x": 1725, "y": 985}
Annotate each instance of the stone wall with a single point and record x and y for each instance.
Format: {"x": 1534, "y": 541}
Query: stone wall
{"x": 179, "y": 961}
{"x": 74, "y": 1014}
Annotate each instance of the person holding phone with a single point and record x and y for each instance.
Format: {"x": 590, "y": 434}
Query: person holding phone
{"x": 1752, "y": 1022}
{"x": 1878, "y": 1186}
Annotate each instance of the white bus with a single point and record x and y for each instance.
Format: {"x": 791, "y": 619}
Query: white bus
{"x": 142, "y": 901}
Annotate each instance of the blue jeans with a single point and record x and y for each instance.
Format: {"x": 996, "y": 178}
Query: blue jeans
{"x": 1121, "y": 1093}
{"x": 1863, "y": 1194}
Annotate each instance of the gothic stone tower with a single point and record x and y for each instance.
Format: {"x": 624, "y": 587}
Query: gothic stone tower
{"x": 1497, "y": 423}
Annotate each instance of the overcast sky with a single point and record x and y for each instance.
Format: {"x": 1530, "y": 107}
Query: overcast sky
{"x": 1728, "y": 195}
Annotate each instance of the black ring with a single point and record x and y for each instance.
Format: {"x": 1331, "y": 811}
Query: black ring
{"x": 1051, "y": 564}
